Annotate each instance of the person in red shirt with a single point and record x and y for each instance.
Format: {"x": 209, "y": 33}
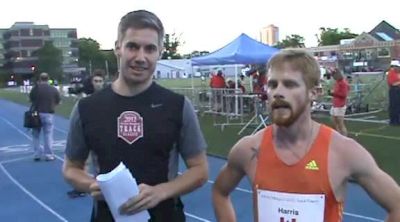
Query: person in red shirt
{"x": 218, "y": 80}
{"x": 339, "y": 99}
{"x": 217, "y": 84}
{"x": 393, "y": 80}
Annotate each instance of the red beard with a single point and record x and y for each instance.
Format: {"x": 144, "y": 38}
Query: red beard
{"x": 282, "y": 113}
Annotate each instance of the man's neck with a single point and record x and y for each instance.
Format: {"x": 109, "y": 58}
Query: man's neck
{"x": 124, "y": 88}
{"x": 301, "y": 129}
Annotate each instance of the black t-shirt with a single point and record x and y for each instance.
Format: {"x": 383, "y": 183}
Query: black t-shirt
{"x": 88, "y": 86}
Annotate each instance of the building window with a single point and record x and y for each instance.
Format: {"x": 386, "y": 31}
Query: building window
{"x": 31, "y": 32}
{"x": 383, "y": 52}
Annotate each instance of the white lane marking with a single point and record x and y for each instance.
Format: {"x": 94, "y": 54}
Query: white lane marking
{"x": 22, "y": 187}
{"x": 61, "y": 130}
{"x": 345, "y": 213}
{"x": 31, "y": 195}
{"x": 16, "y": 159}
{"x": 58, "y": 145}
{"x": 196, "y": 217}
{"x": 61, "y": 159}
{"x": 363, "y": 217}
{"x": 16, "y": 128}
{"x": 212, "y": 182}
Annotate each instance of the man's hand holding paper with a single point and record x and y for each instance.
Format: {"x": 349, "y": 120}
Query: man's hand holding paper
{"x": 117, "y": 187}
{"x": 95, "y": 191}
{"x": 149, "y": 197}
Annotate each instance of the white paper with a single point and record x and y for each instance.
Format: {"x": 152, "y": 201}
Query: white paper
{"x": 117, "y": 187}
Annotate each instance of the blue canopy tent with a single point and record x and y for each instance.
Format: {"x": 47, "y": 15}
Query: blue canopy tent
{"x": 242, "y": 50}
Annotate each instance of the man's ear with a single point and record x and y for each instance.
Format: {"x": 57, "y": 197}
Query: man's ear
{"x": 162, "y": 49}
{"x": 313, "y": 93}
{"x": 117, "y": 49}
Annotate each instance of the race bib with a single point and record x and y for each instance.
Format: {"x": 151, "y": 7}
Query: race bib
{"x": 289, "y": 207}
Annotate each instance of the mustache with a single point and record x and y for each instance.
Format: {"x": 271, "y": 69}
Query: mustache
{"x": 280, "y": 103}
{"x": 138, "y": 66}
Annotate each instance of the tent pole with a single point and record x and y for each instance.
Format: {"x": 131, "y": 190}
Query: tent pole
{"x": 191, "y": 77}
{"x": 192, "y": 83}
{"x": 236, "y": 90}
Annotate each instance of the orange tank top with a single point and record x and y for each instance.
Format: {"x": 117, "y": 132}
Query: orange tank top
{"x": 308, "y": 176}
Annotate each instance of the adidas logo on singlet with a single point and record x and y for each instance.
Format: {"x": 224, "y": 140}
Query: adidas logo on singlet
{"x": 312, "y": 165}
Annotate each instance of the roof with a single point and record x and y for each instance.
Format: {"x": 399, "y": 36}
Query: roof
{"x": 163, "y": 63}
{"x": 385, "y": 32}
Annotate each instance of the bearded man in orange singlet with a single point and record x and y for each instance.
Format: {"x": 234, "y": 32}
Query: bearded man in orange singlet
{"x": 298, "y": 167}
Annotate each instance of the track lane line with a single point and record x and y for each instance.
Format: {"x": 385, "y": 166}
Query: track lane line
{"x": 212, "y": 182}
{"x": 26, "y": 191}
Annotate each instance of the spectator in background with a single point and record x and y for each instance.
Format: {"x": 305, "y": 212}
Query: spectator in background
{"x": 217, "y": 84}
{"x": 44, "y": 98}
{"x": 98, "y": 80}
{"x": 260, "y": 82}
{"x": 339, "y": 100}
{"x": 393, "y": 80}
{"x": 96, "y": 84}
{"x": 241, "y": 84}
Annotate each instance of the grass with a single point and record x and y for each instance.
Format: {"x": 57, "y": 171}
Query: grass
{"x": 382, "y": 141}
{"x": 64, "y": 109}
{"x": 182, "y": 83}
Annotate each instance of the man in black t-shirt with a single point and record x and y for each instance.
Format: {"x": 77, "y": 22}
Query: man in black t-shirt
{"x": 141, "y": 124}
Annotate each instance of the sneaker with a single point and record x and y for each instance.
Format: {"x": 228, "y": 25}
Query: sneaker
{"x": 36, "y": 158}
{"x": 49, "y": 158}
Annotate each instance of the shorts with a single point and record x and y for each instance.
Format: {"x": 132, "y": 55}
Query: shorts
{"x": 338, "y": 111}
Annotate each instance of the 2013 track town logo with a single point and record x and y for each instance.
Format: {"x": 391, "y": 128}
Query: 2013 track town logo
{"x": 130, "y": 126}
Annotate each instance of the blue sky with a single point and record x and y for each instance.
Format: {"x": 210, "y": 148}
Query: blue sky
{"x": 205, "y": 24}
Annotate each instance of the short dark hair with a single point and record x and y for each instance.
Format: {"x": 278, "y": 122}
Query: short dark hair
{"x": 141, "y": 19}
{"x": 99, "y": 72}
{"x": 44, "y": 77}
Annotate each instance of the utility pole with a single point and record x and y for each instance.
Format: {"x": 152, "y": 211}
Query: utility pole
{"x": 90, "y": 67}
{"x": 107, "y": 72}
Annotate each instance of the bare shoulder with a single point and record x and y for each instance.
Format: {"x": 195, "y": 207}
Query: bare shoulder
{"x": 245, "y": 150}
{"x": 351, "y": 154}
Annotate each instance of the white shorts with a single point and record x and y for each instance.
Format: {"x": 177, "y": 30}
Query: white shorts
{"x": 338, "y": 111}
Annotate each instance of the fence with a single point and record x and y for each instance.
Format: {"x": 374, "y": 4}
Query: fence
{"x": 369, "y": 93}
{"x": 227, "y": 106}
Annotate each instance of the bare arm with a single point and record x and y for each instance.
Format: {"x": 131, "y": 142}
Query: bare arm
{"x": 227, "y": 180}
{"x": 149, "y": 196}
{"x": 397, "y": 83}
{"x": 376, "y": 182}
{"x": 194, "y": 177}
{"x": 75, "y": 174}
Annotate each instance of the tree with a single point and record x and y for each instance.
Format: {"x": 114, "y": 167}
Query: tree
{"x": 49, "y": 60}
{"x": 171, "y": 44}
{"x": 195, "y": 54}
{"x": 111, "y": 59}
{"x": 330, "y": 36}
{"x": 90, "y": 55}
{"x": 292, "y": 41}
